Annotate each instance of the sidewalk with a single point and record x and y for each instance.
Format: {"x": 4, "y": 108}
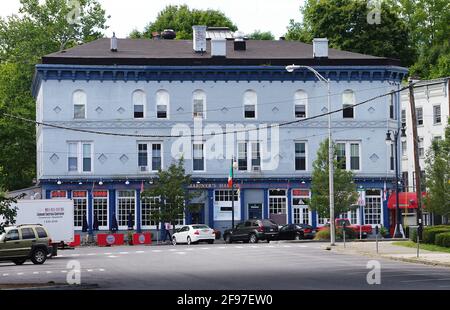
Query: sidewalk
{"x": 390, "y": 251}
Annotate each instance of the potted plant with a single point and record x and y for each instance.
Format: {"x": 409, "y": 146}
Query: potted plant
{"x": 130, "y": 237}
{"x": 384, "y": 232}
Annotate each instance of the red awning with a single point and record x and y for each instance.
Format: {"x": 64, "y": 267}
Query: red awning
{"x": 407, "y": 200}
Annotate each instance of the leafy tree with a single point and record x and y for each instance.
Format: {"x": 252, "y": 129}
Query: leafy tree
{"x": 344, "y": 23}
{"x": 437, "y": 171}
{"x": 7, "y": 212}
{"x": 261, "y": 35}
{"x": 345, "y": 194}
{"x": 171, "y": 187}
{"x": 40, "y": 29}
{"x": 181, "y": 19}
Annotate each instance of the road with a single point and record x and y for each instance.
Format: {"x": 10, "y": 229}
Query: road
{"x": 299, "y": 266}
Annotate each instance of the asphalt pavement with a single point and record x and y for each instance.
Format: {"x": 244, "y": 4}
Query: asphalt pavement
{"x": 274, "y": 266}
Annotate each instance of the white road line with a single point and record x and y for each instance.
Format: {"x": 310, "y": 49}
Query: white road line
{"x": 269, "y": 246}
{"x": 189, "y": 249}
{"x": 49, "y": 272}
{"x": 238, "y": 247}
{"x": 36, "y": 272}
{"x": 156, "y": 251}
{"x": 222, "y": 247}
{"x": 101, "y": 269}
{"x": 254, "y": 246}
{"x": 91, "y": 254}
{"x": 286, "y": 246}
{"x": 74, "y": 255}
{"x": 181, "y": 253}
{"x": 140, "y": 252}
{"x": 107, "y": 253}
{"x": 204, "y": 248}
{"x": 124, "y": 253}
{"x": 20, "y": 273}
{"x": 89, "y": 270}
{"x": 63, "y": 271}
{"x": 112, "y": 256}
{"x": 6, "y": 274}
{"x": 302, "y": 246}
{"x": 172, "y": 250}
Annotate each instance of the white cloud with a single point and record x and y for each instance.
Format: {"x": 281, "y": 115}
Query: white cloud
{"x": 247, "y": 14}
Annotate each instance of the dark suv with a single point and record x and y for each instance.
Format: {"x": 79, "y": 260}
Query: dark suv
{"x": 252, "y": 231}
{"x": 17, "y": 244}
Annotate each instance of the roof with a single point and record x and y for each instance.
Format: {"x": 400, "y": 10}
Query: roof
{"x": 180, "y": 52}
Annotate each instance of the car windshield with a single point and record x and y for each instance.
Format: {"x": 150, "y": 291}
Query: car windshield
{"x": 200, "y": 227}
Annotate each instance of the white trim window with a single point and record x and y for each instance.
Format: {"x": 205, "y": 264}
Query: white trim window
{"x": 349, "y": 155}
{"x": 300, "y": 156}
{"x": 149, "y": 205}
{"x": 242, "y": 156}
{"x": 162, "y": 104}
{"x": 101, "y": 207}
{"x": 277, "y": 202}
{"x": 419, "y": 116}
{"x": 256, "y": 156}
{"x": 198, "y": 157}
{"x": 250, "y": 104}
{"x": 126, "y": 203}
{"x": 348, "y": 101}
{"x": 301, "y": 214}
{"x": 223, "y": 197}
{"x": 199, "y": 104}
{"x": 80, "y": 157}
{"x": 421, "y": 147}
{"x": 352, "y": 216}
{"x": 300, "y": 104}
{"x": 79, "y": 209}
{"x": 404, "y": 148}
{"x": 79, "y": 101}
{"x": 373, "y": 211}
{"x": 149, "y": 150}
{"x": 437, "y": 119}
{"x": 139, "y": 104}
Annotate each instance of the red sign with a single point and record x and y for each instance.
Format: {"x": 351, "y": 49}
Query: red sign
{"x": 79, "y": 194}
{"x": 59, "y": 194}
{"x": 300, "y": 192}
{"x": 99, "y": 194}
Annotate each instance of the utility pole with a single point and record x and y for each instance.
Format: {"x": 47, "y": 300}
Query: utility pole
{"x": 416, "y": 155}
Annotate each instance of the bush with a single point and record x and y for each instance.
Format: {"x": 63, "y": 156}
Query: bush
{"x": 429, "y": 233}
{"x": 325, "y": 234}
{"x": 443, "y": 239}
{"x": 413, "y": 234}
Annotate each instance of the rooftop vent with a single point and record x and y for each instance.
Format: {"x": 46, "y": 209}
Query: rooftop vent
{"x": 239, "y": 41}
{"x": 199, "y": 38}
{"x": 320, "y": 47}
{"x": 218, "y": 47}
{"x": 168, "y": 34}
{"x": 114, "y": 43}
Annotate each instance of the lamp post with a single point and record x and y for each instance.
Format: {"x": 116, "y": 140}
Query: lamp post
{"x": 234, "y": 165}
{"x": 398, "y": 222}
{"x": 321, "y": 78}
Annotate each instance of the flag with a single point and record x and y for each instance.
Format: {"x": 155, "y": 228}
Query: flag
{"x": 230, "y": 177}
{"x": 384, "y": 192}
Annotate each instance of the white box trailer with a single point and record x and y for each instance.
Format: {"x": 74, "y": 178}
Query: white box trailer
{"x": 54, "y": 214}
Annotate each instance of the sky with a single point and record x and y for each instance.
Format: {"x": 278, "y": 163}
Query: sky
{"x": 249, "y": 15}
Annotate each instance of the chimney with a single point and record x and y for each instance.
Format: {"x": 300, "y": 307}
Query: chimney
{"x": 218, "y": 47}
{"x": 114, "y": 43}
{"x": 320, "y": 48}
{"x": 199, "y": 38}
{"x": 239, "y": 41}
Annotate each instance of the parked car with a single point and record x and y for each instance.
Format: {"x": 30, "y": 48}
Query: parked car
{"x": 296, "y": 232}
{"x": 365, "y": 230}
{"x": 252, "y": 231}
{"x": 23, "y": 242}
{"x": 194, "y": 234}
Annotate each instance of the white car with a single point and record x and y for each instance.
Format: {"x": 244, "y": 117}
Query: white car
{"x": 194, "y": 234}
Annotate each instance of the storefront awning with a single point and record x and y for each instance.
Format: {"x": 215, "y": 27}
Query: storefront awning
{"x": 407, "y": 200}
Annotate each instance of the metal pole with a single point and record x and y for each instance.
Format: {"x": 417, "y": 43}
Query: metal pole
{"x": 398, "y": 233}
{"x": 331, "y": 170}
{"x": 232, "y": 194}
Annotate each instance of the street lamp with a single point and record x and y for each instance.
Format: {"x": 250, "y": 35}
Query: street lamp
{"x": 402, "y": 132}
{"x": 292, "y": 68}
{"x": 234, "y": 165}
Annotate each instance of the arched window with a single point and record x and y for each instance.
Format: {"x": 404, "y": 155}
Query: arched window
{"x": 348, "y": 101}
{"x": 300, "y": 103}
{"x": 199, "y": 104}
{"x": 79, "y": 100}
{"x": 139, "y": 103}
{"x": 162, "y": 103}
{"x": 250, "y": 102}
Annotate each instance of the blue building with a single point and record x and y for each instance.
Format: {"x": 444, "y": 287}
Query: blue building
{"x": 146, "y": 93}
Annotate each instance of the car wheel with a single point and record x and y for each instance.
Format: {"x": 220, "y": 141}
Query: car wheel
{"x": 228, "y": 239}
{"x": 253, "y": 238}
{"x": 39, "y": 256}
{"x": 19, "y": 261}
{"x": 189, "y": 241}
{"x": 174, "y": 241}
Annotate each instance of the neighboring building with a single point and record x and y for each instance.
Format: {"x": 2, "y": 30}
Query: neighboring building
{"x": 432, "y": 102}
{"x": 150, "y": 87}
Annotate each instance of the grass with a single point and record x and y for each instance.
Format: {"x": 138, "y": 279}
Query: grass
{"x": 427, "y": 247}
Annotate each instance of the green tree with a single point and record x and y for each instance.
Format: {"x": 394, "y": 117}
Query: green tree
{"x": 7, "y": 211}
{"x": 261, "y": 35}
{"x": 171, "y": 188}
{"x": 344, "y": 23}
{"x": 181, "y": 19}
{"x": 437, "y": 171}
{"x": 345, "y": 194}
{"x": 40, "y": 29}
